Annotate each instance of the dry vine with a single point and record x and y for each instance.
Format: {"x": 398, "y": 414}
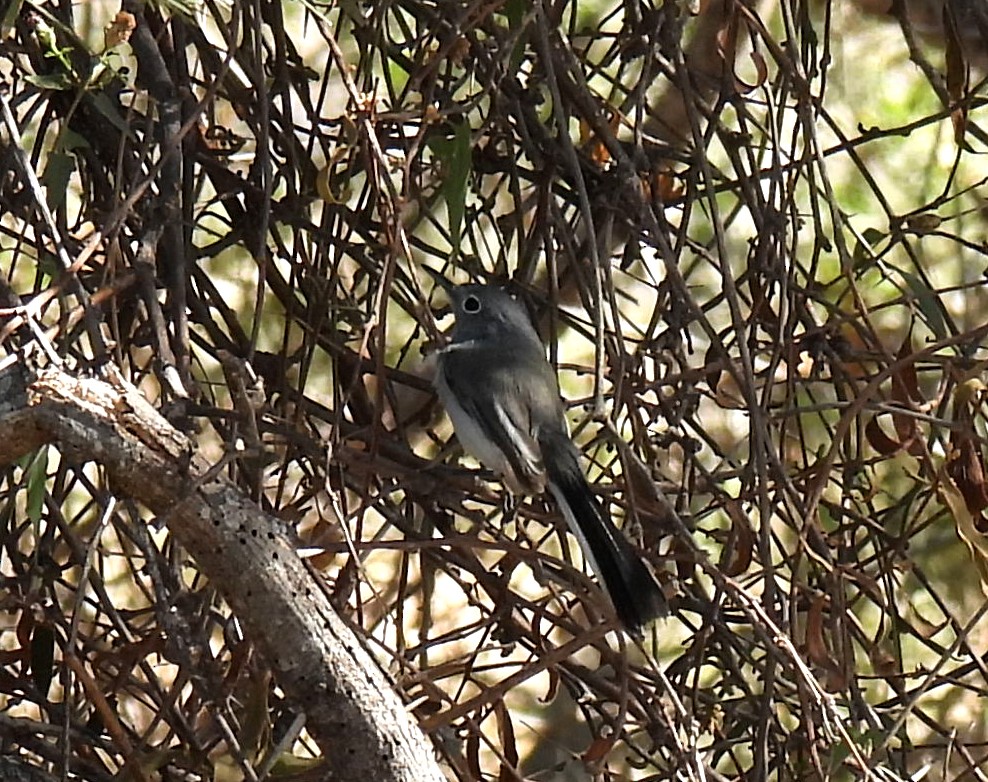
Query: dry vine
{"x": 775, "y": 363}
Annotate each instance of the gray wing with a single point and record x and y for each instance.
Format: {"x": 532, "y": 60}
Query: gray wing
{"x": 509, "y": 408}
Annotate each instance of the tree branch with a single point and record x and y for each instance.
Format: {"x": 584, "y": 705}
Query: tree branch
{"x": 351, "y": 708}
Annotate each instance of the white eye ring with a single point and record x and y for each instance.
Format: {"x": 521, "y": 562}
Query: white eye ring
{"x": 471, "y": 305}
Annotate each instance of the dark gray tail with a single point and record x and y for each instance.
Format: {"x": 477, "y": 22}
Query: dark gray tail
{"x": 635, "y": 594}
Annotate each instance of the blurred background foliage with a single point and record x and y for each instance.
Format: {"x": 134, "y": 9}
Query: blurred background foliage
{"x": 753, "y": 237}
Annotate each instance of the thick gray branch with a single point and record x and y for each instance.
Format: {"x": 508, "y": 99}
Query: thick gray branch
{"x": 351, "y": 708}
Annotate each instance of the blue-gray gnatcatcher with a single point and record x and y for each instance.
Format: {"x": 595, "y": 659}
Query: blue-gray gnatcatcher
{"x": 503, "y": 398}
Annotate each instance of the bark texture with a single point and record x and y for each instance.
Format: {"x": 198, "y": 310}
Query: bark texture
{"x": 352, "y": 710}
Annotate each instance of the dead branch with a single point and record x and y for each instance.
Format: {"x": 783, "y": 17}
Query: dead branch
{"x": 351, "y": 708}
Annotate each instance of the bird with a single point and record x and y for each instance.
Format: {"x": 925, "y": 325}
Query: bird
{"x": 502, "y": 396}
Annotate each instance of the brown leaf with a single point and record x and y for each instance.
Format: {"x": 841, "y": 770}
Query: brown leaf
{"x": 905, "y": 382}
{"x": 923, "y": 223}
{"x": 737, "y": 553}
{"x": 728, "y": 393}
{"x": 459, "y": 51}
{"x": 668, "y": 186}
{"x": 958, "y": 72}
{"x": 727, "y": 40}
{"x": 25, "y": 629}
{"x": 598, "y": 749}
{"x": 119, "y": 30}
{"x": 644, "y": 498}
{"x": 761, "y": 69}
{"x": 905, "y": 392}
{"x": 761, "y": 308}
{"x": 816, "y": 647}
{"x": 966, "y": 523}
{"x": 684, "y": 557}
{"x": 965, "y": 465}
{"x": 553, "y": 689}
{"x": 854, "y": 346}
{"x": 882, "y": 660}
{"x": 473, "y": 754}
{"x": 880, "y": 441}
{"x": 593, "y": 146}
{"x": 920, "y": 624}
{"x": 965, "y": 462}
{"x": 509, "y": 748}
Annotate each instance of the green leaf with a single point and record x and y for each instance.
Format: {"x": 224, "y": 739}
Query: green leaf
{"x": 51, "y": 81}
{"x": 58, "y": 170}
{"x": 187, "y": 9}
{"x": 515, "y": 11}
{"x": 37, "y": 483}
{"x": 288, "y": 764}
{"x": 48, "y": 263}
{"x": 929, "y": 303}
{"x": 9, "y": 18}
{"x": 864, "y": 254}
{"x": 399, "y": 76}
{"x": 457, "y": 175}
{"x": 107, "y": 108}
{"x": 70, "y": 140}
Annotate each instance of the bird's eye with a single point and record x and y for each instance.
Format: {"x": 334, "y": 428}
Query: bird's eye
{"x": 471, "y": 305}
